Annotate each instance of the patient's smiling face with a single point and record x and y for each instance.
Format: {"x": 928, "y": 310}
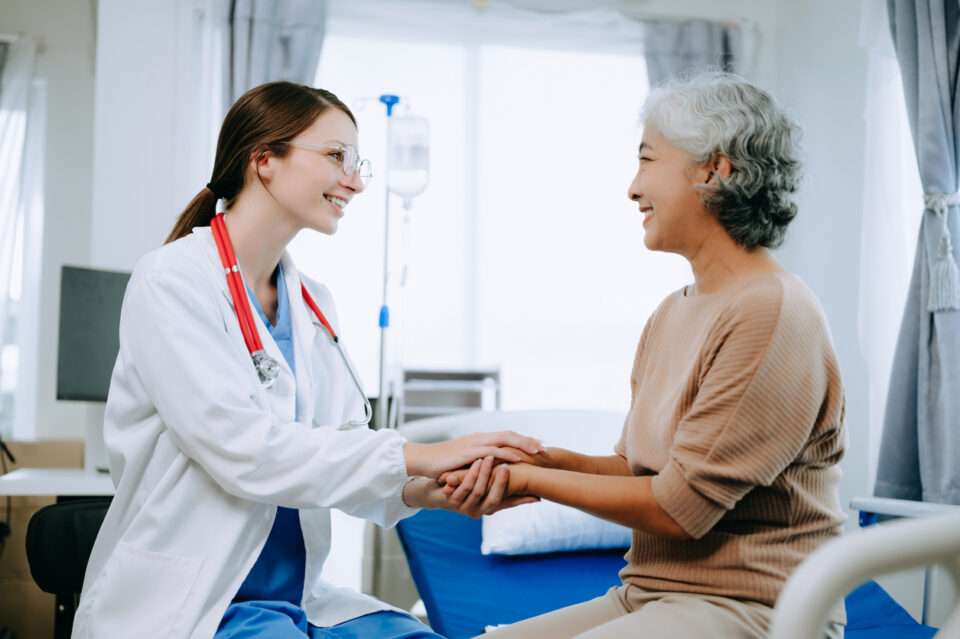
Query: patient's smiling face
{"x": 674, "y": 216}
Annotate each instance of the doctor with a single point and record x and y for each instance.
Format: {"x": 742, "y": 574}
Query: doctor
{"x": 230, "y": 413}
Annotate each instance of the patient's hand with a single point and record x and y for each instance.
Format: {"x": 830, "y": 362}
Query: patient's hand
{"x": 516, "y": 480}
{"x": 480, "y": 490}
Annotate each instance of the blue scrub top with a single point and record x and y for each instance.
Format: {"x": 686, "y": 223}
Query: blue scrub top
{"x": 280, "y": 570}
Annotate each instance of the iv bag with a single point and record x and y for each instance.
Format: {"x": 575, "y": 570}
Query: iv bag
{"x": 409, "y": 156}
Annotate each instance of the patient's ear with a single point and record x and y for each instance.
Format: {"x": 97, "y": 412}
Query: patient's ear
{"x": 719, "y": 167}
{"x": 716, "y": 167}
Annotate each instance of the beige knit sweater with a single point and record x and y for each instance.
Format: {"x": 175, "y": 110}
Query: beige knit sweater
{"x": 737, "y": 411}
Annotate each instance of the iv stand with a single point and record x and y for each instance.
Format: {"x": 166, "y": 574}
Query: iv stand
{"x": 389, "y": 101}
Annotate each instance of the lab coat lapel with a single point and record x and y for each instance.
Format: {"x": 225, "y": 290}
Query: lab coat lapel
{"x": 205, "y": 233}
{"x": 210, "y": 246}
{"x": 304, "y": 332}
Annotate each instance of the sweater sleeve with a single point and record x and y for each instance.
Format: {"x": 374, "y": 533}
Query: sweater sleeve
{"x": 763, "y": 381}
{"x": 620, "y": 448}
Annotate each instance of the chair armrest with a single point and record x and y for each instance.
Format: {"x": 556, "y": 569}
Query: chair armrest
{"x": 846, "y": 562}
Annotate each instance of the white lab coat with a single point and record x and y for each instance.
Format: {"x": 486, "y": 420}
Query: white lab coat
{"x": 202, "y": 454}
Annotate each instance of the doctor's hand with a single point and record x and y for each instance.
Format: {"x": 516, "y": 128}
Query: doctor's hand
{"x": 481, "y": 491}
{"x": 431, "y": 460}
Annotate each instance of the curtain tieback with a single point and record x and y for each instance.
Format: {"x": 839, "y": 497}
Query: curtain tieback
{"x": 944, "y": 275}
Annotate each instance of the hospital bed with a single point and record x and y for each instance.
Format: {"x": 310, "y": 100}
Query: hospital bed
{"x": 465, "y": 591}
{"x": 927, "y": 535}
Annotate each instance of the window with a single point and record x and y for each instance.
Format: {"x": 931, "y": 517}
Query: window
{"x": 524, "y": 251}
{"x": 22, "y": 140}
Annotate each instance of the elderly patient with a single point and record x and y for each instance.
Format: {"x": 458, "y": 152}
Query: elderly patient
{"x": 726, "y": 468}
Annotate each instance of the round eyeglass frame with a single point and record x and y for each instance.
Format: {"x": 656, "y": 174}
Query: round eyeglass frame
{"x": 363, "y": 168}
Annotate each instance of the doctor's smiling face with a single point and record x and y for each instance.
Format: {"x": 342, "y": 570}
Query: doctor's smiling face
{"x": 310, "y": 182}
{"x": 675, "y": 218}
{"x": 281, "y": 148}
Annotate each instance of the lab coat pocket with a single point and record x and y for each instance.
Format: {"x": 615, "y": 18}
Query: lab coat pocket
{"x": 142, "y": 593}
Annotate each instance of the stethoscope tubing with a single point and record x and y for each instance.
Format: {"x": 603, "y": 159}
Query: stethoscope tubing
{"x": 235, "y": 282}
{"x": 248, "y": 327}
{"x": 320, "y": 316}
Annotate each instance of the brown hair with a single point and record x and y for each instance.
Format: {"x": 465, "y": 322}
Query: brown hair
{"x": 264, "y": 118}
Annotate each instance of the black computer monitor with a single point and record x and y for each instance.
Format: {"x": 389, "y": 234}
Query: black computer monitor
{"x": 90, "y": 301}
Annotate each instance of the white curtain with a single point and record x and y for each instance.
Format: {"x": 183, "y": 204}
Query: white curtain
{"x": 16, "y": 82}
{"x": 274, "y": 40}
{"x": 236, "y": 45}
{"x": 497, "y": 23}
{"x": 892, "y": 198}
{"x": 577, "y": 26}
{"x": 674, "y": 47}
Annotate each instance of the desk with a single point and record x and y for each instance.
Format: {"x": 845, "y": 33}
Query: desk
{"x": 59, "y": 482}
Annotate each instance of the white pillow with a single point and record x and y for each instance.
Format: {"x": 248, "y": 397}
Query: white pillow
{"x": 546, "y": 526}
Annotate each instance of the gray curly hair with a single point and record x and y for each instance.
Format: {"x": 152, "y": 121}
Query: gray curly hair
{"x": 711, "y": 112}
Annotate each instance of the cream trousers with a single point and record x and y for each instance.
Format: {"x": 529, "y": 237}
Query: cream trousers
{"x": 631, "y": 612}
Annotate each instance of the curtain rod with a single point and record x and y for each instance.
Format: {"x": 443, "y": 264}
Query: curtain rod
{"x": 624, "y": 7}
{"x": 10, "y": 37}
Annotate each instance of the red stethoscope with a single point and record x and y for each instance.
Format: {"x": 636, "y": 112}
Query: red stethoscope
{"x": 267, "y": 368}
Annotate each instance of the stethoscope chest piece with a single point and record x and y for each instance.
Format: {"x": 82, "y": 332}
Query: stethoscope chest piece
{"x": 267, "y": 368}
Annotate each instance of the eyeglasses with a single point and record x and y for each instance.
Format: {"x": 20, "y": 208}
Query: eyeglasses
{"x": 349, "y": 160}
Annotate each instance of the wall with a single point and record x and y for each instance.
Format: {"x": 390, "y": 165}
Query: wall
{"x": 105, "y": 205}
{"x": 135, "y": 146}
{"x": 66, "y": 61}
{"x": 822, "y": 81}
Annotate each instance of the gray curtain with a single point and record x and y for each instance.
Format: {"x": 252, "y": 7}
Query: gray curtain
{"x": 272, "y": 40}
{"x": 920, "y": 447}
{"x": 672, "y": 47}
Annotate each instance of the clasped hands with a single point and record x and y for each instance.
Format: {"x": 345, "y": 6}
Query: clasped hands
{"x": 474, "y": 475}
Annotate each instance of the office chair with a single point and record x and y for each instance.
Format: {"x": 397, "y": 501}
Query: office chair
{"x": 59, "y": 540}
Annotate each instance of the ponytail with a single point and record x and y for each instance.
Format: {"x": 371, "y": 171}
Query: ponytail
{"x": 199, "y": 212}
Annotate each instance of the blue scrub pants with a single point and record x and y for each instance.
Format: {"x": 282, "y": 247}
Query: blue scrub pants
{"x": 278, "y": 620}
{"x": 264, "y": 608}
